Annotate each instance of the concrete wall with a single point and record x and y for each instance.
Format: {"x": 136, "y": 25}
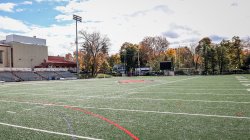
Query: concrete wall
{"x": 25, "y": 40}
{"x": 6, "y": 56}
{"x": 28, "y": 55}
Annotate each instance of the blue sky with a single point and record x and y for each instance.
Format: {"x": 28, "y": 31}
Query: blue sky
{"x": 182, "y": 22}
{"x": 33, "y": 12}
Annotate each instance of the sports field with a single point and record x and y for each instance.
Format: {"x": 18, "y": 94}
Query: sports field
{"x": 179, "y": 107}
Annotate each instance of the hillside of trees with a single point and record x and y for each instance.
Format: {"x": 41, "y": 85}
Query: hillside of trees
{"x": 204, "y": 57}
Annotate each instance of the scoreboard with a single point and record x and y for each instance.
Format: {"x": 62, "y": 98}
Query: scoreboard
{"x": 166, "y": 65}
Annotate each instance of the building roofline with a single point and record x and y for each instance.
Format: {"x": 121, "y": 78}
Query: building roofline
{"x": 4, "y": 45}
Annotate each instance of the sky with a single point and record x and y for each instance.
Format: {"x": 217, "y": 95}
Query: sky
{"x": 182, "y": 22}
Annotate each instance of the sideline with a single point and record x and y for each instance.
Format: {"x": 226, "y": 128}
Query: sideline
{"x": 47, "y": 131}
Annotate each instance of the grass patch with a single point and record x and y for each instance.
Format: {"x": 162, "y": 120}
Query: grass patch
{"x": 101, "y": 75}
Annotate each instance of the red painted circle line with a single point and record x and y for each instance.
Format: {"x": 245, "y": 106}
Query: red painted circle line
{"x": 104, "y": 119}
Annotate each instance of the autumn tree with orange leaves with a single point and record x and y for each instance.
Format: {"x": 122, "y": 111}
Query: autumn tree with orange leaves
{"x": 95, "y": 51}
{"x": 152, "y": 51}
{"x": 114, "y": 59}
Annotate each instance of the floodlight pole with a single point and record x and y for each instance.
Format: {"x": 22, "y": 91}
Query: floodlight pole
{"x": 77, "y": 18}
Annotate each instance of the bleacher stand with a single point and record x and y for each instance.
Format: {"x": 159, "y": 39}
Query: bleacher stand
{"x": 66, "y": 74}
{"x": 27, "y": 75}
{"x": 38, "y": 74}
{"x": 49, "y": 75}
{"x": 8, "y": 77}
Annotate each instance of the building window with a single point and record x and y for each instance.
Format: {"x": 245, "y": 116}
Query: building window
{"x": 1, "y": 57}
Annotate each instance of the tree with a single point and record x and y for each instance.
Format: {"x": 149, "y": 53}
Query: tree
{"x": 153, "y": 50}
{"x": 196, "y": 58}
{"x": 202, "y": 50}
{"x": 104, "y": 67}
{"x": 82, "y": 59}
{"x": 184, "y": 57}
{"x": 145, "y": 54}
{"x": 95, "y": 46}
{"x": 246, "y": 53}
{"x": 156, "y": 44}
{"x": 237, "y": 47}
{"x": 114, "y": 59}
{"x": 171, "y": 54}
{"x": 222, "y": 55}
{"x": 212, "y": 59}
{"x": 69, "y": 57}
{"x": 128, "y": 53}
{"x": 246, "y": 43}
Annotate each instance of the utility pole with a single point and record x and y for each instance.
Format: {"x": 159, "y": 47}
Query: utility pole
{"x": 77, "y": 18}
{"x": 125, "y": 62}
{"x": 138, "y": 61}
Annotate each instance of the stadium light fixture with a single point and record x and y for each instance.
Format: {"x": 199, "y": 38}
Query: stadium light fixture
{"x": 77, "y": 19}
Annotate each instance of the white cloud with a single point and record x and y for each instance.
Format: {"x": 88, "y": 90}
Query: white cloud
{"x": 7, "y": 7}
{"x": 27, "y": 3}
{"x": 51, "y": 1}
{"x": 39, "y": 0}
{"x": 184, "y": 21}
{"x": 19, "y": 10}
{"x": 13, "y": 25}
{"x": 120, "y": 20}
{"x": 63, "y": 17}
{"x": 59, "y": 38}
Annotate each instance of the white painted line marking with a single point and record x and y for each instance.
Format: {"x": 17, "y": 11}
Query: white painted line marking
{"x": 54, "y": 95}
{"x": 47, "y": 131}
{"x": 11, "y": 112}
{"x": 244, "y": 81}
{"x": 27, "y": 109}
{"x": 142, "y": 111}
{"x": 178, "y": 93}
{"x": 239, "y": 76}
{"x": 40, "y": 106}
{"x": 246, "y": 84}
{"x": 172, "y": 113}
{"x": 165, "y": 88}
{"x": 151, "y": 99}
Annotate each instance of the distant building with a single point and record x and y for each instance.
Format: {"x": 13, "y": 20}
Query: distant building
{"x": 142, "y": 71}
{"x": 22, "y": 52}
{"x": 57, "y": 62}
{"x": 119, "y": 68}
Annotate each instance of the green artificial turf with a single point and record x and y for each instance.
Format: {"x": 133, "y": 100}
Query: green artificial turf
{"x": 179, "y": 107}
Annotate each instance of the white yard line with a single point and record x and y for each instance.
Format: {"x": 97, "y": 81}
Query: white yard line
{"x": 51, "y": 95}
{"x": 140, "y": 111}
{"x": 47, "y": 131}
{"x": 171, "y": 113}
{"x": 246, "y": 84}
{"x": 31, "y": 103}
{"x": 165, "y": 88}
{"x": 244, "y": 81}
{"x": 151, "y": 99}
{"x": 11, "y": 112}
{"x": 178, "y": 93}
